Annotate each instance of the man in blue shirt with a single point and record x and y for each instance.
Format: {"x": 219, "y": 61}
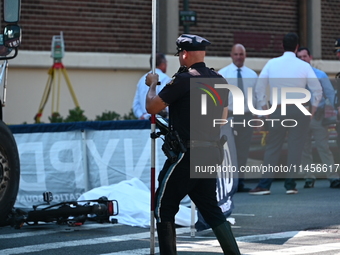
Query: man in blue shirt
{"x": 317, "y": 129}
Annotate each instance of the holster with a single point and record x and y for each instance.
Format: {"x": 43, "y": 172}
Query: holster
{"x": 172, "y": 146}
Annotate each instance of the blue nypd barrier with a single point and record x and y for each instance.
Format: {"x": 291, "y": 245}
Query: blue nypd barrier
{"x": 226, "y": 181}
{"x": 69, "y": 159}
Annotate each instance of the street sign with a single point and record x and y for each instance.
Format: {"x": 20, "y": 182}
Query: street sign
{"x": 187, "y": 18}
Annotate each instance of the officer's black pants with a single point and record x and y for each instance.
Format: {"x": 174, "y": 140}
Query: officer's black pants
{"x": 175, "y": 183}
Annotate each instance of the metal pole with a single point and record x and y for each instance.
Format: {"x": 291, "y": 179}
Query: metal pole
{"x": 186, "y": 8}
{"x": 192, "y": 225}
{"x": 154, "y": 30}
{"x": 153, "y": 140}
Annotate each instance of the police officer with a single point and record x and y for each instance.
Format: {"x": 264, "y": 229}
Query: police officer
{"x": 174, "y": 179}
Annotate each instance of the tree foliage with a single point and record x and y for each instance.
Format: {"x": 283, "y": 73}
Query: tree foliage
{"x": 77, "y": 114}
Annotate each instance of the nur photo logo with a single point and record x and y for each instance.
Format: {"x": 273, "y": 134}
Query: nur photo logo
{"x": 279, "y": 98}
{"x": 209, "y": 90}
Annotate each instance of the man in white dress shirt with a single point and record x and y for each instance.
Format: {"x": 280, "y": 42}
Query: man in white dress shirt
{"x": 290, "y": 72}
{"x": 239, "y": 75}
{"x": 138, "y": 105}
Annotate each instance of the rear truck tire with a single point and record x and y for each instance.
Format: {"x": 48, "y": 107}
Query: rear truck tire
{"x": 9, "y": 172}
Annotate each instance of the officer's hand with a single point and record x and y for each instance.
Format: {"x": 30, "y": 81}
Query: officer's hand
{"x": 151, "y": 79}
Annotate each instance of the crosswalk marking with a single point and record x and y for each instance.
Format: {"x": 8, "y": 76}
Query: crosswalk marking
{"x": 288, "y": 234}
{"x": 133, "y": 252}
{"x": 61, "y": 229}
{"x": 92, "y": 241}
{"x": 185, "y": 242}
{"x": 205, "y": 245}
{"x": 58, "y": 245}
{"x": 307, "y": 249}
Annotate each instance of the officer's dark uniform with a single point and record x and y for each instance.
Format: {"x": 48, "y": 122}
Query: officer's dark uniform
{"x": 174, "y": 179}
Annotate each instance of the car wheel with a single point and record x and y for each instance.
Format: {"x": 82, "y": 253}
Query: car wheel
{"x": 9, "y": 172}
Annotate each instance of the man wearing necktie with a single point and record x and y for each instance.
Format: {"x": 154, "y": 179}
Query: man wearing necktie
{"x": 239, "y": 79}
{"x": 239, "y": 75}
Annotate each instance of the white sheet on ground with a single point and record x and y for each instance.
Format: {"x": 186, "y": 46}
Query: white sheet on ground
{"x": 133, "y": 198}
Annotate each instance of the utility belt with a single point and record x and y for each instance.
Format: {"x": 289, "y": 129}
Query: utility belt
{"x": 173, "y": 145}
{"x": 198, "y": 143}
{"x": 201, "y": 143}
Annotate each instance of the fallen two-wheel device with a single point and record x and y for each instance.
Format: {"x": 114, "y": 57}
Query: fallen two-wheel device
{"x": 72, "y": 213}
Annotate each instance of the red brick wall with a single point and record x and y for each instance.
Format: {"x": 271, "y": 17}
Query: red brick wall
{"x": 124, "y": 26}
{"x": 88, "y": 25}
{"x": 330, "y": 27}
{"x": 258, "y": 25}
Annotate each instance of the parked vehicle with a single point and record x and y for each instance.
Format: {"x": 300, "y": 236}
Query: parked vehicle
{"x": 9, "y": 157}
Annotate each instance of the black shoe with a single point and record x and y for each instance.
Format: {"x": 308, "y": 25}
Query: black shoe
{"x": 335, "y": 184}
{"x": 309, "y": 184}
{"x": 226, "y": 239}
{"x": 167, "y": 238}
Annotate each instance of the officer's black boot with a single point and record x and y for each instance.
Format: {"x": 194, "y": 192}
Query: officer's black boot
{"x": 226, "y": 239}
{"x": 167, "y": 238}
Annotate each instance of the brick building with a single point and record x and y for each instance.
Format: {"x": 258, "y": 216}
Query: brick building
{"x": 120, "y": 26}
{"x": 108, "y": 44}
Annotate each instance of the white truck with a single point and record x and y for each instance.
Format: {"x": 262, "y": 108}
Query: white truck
{"x": 9, "y": 157}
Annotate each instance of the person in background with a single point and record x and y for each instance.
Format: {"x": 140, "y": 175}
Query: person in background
{"x": 240, "y": 75}
{"x": 286, "y": 71}
{"x": 138, "y": 105}
{"x": 317, "y": 129}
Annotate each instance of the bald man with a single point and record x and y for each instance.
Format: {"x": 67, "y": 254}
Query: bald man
{"x": 239, "y": 75}
{"x": 202, "y": 146}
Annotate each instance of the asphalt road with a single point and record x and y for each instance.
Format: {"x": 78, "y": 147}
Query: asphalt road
{"x": 305, "y": 223}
